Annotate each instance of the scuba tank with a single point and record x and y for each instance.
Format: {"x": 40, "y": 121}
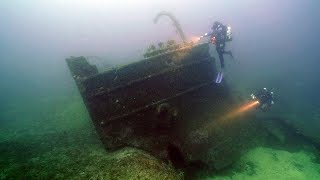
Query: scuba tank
{"x": 229, "y": 34}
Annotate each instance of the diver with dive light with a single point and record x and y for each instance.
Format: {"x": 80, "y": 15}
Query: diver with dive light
{"x": 265, "y": 98}
{"x": 220, "y": 34}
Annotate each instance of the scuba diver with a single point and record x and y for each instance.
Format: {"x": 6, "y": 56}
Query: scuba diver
{"x": 265, "y": 98}
{"x": 220, "y": 34}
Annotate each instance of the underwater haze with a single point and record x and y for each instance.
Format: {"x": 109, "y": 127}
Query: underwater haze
{"x": 46, "y": 131}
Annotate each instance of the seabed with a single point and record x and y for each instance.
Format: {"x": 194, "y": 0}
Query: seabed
{"x": 64, "y": 145}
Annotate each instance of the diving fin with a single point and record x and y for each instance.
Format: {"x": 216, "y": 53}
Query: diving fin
{"x": 219, "y": 77}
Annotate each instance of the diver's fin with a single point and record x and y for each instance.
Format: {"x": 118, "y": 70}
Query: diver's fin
{"x": 219, "y": 77}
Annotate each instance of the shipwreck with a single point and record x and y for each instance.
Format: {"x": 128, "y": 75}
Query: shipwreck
{"x": 166, "y": 104}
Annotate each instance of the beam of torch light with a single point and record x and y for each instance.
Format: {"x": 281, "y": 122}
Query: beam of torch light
{"x": 240, "y": 110}
{"x": 246, "y": 107}
{"x": 233, "y": 114}
{"x": 195, "y": 39}
{"x": 223, "y": 120}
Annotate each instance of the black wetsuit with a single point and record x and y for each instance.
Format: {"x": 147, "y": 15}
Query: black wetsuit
{"x": 220, "y": 34}
{"x": 265, "y": 98}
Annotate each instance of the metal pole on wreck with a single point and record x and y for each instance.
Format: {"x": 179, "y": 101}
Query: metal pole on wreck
{"x": 175, "y": 23}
